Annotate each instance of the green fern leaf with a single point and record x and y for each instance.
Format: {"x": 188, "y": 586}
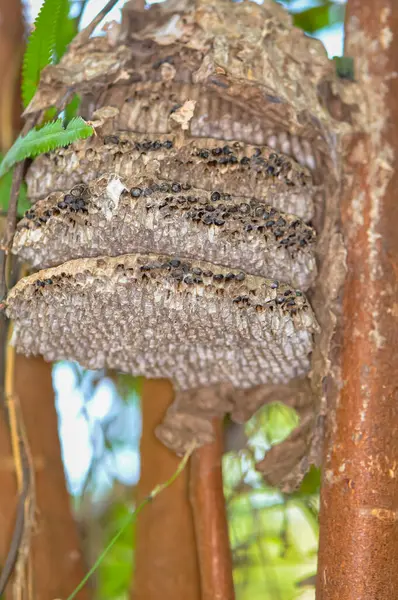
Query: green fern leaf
{"x": 66, "y": 30}
{"x": 71, "y": 109}
{"x": 41, "y": 46}
{"x": 38, "y": 141}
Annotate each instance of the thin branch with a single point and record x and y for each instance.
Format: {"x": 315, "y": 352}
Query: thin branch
{"x": 22, "y": 466}
{"x": 15, "y": 541}
{"x": 85, "y": 34}
{"x": 10, "y": 226}
{"x": 23, "y": 566}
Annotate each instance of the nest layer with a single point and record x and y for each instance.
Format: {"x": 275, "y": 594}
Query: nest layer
{"x": 109, "y": 217}
{"x": 147, "y": 107}
{"x": 236, "y": 168}
{"x": 157, "y": 316}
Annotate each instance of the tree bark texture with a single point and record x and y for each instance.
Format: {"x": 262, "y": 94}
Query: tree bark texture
{"x": 11, "y": 50}
{"x": 58, "y": 566}
{"x": 358, "y": 554}
{"x": 166, "y": 566}
{"x": 211, "y": 525}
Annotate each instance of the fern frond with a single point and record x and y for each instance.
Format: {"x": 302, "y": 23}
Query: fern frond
{"x": 66, "y": 30}
{"x": 41, "y": 44}
{"x": 38, "y": 141}
{"x": 71, "y": 109}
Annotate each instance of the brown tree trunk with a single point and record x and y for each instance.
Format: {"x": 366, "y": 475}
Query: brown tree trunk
{"x": 358, "y": 554}
{"x": 212, "y": 539}
{"x": 11, "y": 49}
{"x": 56, "y": 555}
{"x": 57, "y": 563}
{"x": 166, "y": 566}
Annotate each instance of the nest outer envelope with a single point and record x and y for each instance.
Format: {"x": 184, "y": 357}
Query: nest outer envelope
{"x": 273, "y": 71}
{"x": 267, "y": 84}
{"x": 159, "y": 317}
{"x": 155, "y": 216}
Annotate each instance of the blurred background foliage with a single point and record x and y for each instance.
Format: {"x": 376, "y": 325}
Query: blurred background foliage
{"x": 274, "y": 536}
{"x": 312, "y": 16}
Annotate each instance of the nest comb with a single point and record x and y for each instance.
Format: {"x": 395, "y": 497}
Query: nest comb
{"x": 176, "y": 242}
{"x": 167, "y": 214}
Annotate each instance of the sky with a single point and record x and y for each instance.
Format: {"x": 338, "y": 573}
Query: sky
{"x": 83, "y": 417}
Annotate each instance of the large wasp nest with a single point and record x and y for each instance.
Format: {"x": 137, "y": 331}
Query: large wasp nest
{"x": 179, "y": 241}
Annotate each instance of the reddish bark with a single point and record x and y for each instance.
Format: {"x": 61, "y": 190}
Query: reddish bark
{"x": 11, "y": 49}
{"x": 211, "y": 525}
{"x": 358, "y": 554}
{"x": 58, "y": 565}
{"x": 166, "y": 565}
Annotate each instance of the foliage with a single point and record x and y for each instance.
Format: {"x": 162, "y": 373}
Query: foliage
{"x": 313, "y": 19}
{"x": 72, "y": 108}
{"x": 345, "y": 67}
{"x": 53, "y": 30}
{"x": 5, "y": 190}
{"x": 116, "y": 570}
{"x": 66, "y": 31}
{"x": 273, "y": 536}
{"x": 38, "y": 141}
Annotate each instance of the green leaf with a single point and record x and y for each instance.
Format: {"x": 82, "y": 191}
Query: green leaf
{"x": 47, "y": 40}
{"x": 318, "y": 17}
{"x": 116, "y": 568}
{"x": 345, "y": 67}
{"x": 313, "y": 18}
{"x": 279, "y": 421}
{"x": 66, "y": 31}
{"x": 71, "y": 109}
{"x": 311, "y": 483}
{"x": 5, "y": 191}
{"x": 38, "y": 141}
{"x": 49, "y": 115}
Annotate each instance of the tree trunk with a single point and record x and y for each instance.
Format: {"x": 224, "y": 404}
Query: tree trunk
{"x": 207, "y": 497}
{"x": 358, "y": 554}
{"x": 11, "y": 49}
{"x": 166, "y": 566}
{"x": 57, "y": 563}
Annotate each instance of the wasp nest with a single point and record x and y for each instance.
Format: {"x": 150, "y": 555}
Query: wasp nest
{"x": 187, "y": 224}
